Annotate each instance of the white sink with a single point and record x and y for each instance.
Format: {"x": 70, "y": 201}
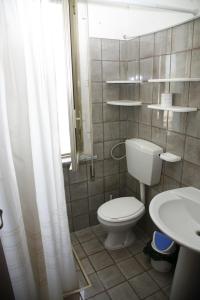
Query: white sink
{"x": 177, "y": 214}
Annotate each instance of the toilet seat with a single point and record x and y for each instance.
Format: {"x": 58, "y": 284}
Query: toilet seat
{"x": 121, "y": 209}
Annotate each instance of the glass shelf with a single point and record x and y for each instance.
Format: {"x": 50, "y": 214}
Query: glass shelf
{"x": 124, "y": 81}
{"x": 124, "y": 103}
{"x": 173, "y": 108}
{"x": 174, "y": 80}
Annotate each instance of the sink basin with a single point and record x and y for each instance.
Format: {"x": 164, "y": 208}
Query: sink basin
{"x": 177, "y": 214}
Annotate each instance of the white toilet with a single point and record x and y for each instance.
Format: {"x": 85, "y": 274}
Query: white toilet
{"x": 119, "y": 215}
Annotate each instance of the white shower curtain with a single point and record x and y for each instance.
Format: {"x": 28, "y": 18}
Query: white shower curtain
{"x": 35, "y": 236}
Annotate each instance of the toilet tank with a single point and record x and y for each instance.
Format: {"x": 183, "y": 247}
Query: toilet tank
{"x": 143, "y": 161}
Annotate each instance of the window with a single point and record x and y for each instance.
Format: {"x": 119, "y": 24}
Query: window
{"x": 73, "y": 80}
{"x": 66, "y": 81}
{"x": 63, "y": 122}
{"x": 63, "y": 116}
{"x": 61, "y": 78}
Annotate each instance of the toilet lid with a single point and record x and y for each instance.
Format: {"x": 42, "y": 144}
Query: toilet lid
{"x": 120, "y": 209}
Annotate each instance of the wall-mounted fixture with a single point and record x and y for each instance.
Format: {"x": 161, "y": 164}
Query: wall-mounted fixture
{"x": 186, "y": 79}
{"x": 169, "y": 157}
{"x": 124, "y": 103}
{"x": 123, "y": 81}
{"x": 172, "y": 108}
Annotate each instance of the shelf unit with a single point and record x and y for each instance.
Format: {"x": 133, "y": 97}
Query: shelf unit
{"x": 154, "y": 80}
{"x": 174, "y": 80}
{"x": 172, "y": 108}
{"x": 124, "y": 81}
{"x": 153, "y": 106}
{"x": 170, "y": 157}
{"x": 124, "y": 103}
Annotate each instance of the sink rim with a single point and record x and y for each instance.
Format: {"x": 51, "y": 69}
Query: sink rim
{"x": 166, "y": 197}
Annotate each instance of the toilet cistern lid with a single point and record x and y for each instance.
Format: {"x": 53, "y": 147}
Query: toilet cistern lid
{"x": 120, "y": 208}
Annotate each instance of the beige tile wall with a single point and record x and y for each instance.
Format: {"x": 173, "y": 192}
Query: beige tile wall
{"x": 176, "y": 54}
{"x": 173, "y": 52}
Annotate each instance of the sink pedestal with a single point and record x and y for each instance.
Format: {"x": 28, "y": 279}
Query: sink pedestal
{"x": 186, "y": 282}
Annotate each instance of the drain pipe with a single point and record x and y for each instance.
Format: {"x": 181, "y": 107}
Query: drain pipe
{"x": 142, "y": 193}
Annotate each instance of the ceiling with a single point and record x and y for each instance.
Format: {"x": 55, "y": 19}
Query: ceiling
{"x": 119, "y": 19}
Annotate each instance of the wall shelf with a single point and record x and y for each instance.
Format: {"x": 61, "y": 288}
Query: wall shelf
{"x": 173, "y": 108}
{"x": 174, "y": 80}
{"x": 154, "y": 80}
{"x": 124, "y": 81}
{"x": 170, "y": 157}
{"x": 124, "y": 103}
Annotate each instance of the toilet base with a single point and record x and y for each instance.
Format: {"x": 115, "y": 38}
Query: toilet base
{"x": 118, "y": 240}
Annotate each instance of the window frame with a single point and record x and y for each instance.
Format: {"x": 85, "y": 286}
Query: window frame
{"x": 72, "y": 63}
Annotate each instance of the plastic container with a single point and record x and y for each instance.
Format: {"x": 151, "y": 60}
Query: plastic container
{"x": 162, "y": 243}
{"x": 162, "y": 252}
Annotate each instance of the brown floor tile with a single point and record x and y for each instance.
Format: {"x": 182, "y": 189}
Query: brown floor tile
{"x": 157, "y": 296}
{"x": 87, "y": 266}
{"x": 76, "y": 296}
{"x": 130, "y": 267}
{"x": 144, "y": 285}
{"x": 79, "y": 251}
{"x": 120, "y": 254}
{"x": 98, "y": 229}
{"x": 122, "y": 292}
{"x": 167, "y": 290}
{"x": 162, "y": 279}
{"x": 92, "y": 246}
{"x": 81, "y": 279}
{"x": 74, "y": 239}
{"x": 100, "y": 232}
{"x": 77, "y": 266}
{"x": 102, "y": 237}
{"x": 144, "y": 260}
{"x": 95, "y": 289}
{"x": 101, "y": 260}
{"x": 108, "y": 271}
{"x": 85, "y": 235}
{"x": 102, "y": 296}
{"x": 136, "y": 247}
{"x": 110, "y": 276}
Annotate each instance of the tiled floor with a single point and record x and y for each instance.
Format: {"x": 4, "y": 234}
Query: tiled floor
{"x": 118, "y": 275}
{"x": 81, "y": 268}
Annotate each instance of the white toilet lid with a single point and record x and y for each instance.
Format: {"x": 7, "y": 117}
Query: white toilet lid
{"x": 120, "y": 209}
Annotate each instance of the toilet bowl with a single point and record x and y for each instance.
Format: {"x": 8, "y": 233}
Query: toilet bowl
{"x": 118, "y": 217}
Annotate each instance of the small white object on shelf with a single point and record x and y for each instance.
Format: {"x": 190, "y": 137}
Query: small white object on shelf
{"x": 170, "y": 157}
{"x": 172, "y": 108}
{"x": 124, "y": 81}
{"x": 173, "y": 79}
{"x": 124, "y": 102}
{"x": 166, "y": 100}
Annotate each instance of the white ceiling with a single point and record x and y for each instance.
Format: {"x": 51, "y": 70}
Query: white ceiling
{"x": 115, "y": 19}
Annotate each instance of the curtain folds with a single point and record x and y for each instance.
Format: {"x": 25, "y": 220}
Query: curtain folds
{"x": 35, "y": 236}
